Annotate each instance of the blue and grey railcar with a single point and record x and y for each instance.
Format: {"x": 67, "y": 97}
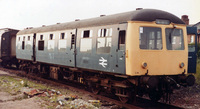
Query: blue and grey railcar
{"x": 129, "y": 54}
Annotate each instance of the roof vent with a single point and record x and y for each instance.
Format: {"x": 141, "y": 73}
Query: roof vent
{"x": 77, "y": 20}
{"x": 43, "y": 25}
{"x": 57, "y": 23}
{"x": 28, "y": 28}
{"x": 139, "y": 8}
{"x": 102, "y": 15}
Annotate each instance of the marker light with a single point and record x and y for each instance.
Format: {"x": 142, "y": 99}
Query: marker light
{"x": 182, "y": 65}
{"x": 144, "y": 65}
{"x": 161, "y": 21}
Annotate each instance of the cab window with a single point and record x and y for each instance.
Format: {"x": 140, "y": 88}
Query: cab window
{"x": 174, "y": 38}
{"x": 150, "y": 38}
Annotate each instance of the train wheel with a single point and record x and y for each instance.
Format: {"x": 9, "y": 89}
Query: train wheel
{"x": 96, "y": 89}
{"x": 155, "y": 95}
{"x": 124, "y": 99}
{"x": 123, "y": 94}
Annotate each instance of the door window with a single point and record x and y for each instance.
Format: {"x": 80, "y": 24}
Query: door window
{"x": 122, "y": 38}
{"x": 41, "y": 43}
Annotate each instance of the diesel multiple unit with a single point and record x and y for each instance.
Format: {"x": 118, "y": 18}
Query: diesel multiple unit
{"x": 128, "y": 54}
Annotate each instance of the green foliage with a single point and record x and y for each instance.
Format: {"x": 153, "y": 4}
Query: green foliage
{"x": 198, "y": 52}
{"x": 197, "y": 75}
{"x": 10, "y": 85}
{"x": 25, "y": 84}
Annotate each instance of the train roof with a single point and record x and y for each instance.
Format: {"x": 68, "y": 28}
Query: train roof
{"x": 148, "y": 15}
{"x": 8, "y": 29}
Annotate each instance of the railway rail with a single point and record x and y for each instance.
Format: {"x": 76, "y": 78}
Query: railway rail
{"x": 139, "y": 103}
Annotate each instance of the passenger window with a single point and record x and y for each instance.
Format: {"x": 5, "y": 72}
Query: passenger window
{"x": 104, "y": 40}
{"x": 86, "y": 41}
{"x": 150, "y": 38}
{"x": 51, "y": 37}
{"x": 28, "y": 44}
{"x": 105, "y": 32}
{"x": 122, "y": 39}
{"x": 51, "y": 43}
{"x": 29, "y": 38}
{"x": 62, "y": 36}
{"x": 86, "y": 34}
{"x": 62, "y": 44}
{"x": 41, "y": 37}
{"x": 110, "y": 32}
{"x": 41, "y": 43}
{"x": 23, "y": 43}
{"x": 73, "y": 41}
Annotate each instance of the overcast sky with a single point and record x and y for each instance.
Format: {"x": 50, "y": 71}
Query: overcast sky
{"x": 19, "y": 14}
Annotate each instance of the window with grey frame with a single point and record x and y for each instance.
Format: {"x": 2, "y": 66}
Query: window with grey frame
{"x": 86, "y": 41}
{"x": 51, "y": 42}
{"x": 62, "y": 44}
{"x": 104, "y": 40}
{"x": 62, "y": 35}
{"x": 28, "y": 43}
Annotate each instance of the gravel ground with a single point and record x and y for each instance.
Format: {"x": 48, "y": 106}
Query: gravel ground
{"x": 19, "y": 93}
{"x": 187, "y": 97}
{"x": 31, "y": 103}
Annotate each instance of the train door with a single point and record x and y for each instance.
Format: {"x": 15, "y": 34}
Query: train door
{"x": 192, "y": 49}
{"x": 120, "y": 61}
{"x": 72, "y": 49}
{"x": 34, "y": 51}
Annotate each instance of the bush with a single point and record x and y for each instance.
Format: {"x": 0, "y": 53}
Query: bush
{"x": 197, "y": 75}
{"x": 198, "y": 52}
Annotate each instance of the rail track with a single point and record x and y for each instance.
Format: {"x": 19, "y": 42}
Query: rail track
{"x": 139, "y": 103}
